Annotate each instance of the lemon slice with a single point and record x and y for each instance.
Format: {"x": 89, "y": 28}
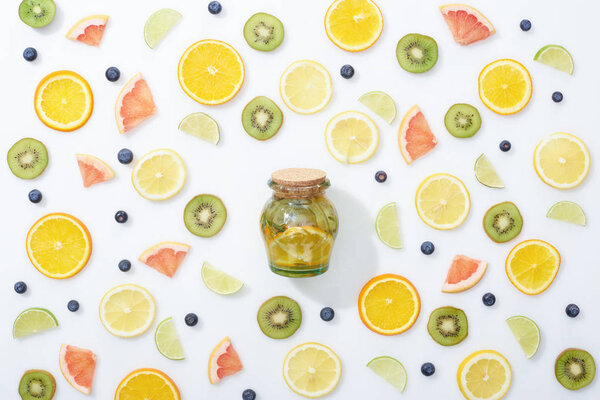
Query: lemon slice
{"x": 442, "y": 201}
{"x": 351, "y": 137}
{"x": 159, "y": 175}
{"x": 127, "y": 310}
{"x": 305, "y": 87}
{"x": 532, "y": 265}
{"x": 387, "y": 225}
{"x": 202, "y": 126}
{"x": 167, "y": 341}
{"x": 218, "y": 281}
{"x": 567, "y": 211}
{"x": 33, "y": 320}
{"x": 556, "y": 56}
{"x": 484, "y": 375}
{"x": 381, "y": 104}
{"x": 353, "y": 25}
{"x": 486, "y": 174}
{"x": 561, "y": 160}
{"x": 300, "y": 246}
{"x": 312, "y": 370}
{"x": 505, "y": 86}
{"x": 159, "y": 24}
{"x": 389, "y": 369}
{"x": 526, "y": 332}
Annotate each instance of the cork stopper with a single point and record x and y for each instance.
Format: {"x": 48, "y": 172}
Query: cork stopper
{"x": 298, "y": 177}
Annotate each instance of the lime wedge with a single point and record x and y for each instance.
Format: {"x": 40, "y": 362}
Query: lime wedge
{"x": 167, "y": 341}
{"x": 486, "y": 174}
{"x": 202, "y": 126}
{"x": 567, "y": 211}
{"x": 389, "y": 369}
{"x": 388, "y": 226}
{"x": 526, "y": 332}
{"x": 381, "y": 104}
{"x": 159, "y": 24}
{"x": 218, "y": 281}
{"x": 557, "y": 57}
{"x": 33, "y": 320}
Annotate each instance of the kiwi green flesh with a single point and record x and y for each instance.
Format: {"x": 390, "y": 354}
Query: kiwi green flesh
{"x": 503, "y": 222}
{"x": 27, "y": 158}
{"x": 262, "y": 118}
{"x": 37, "y": 13}
{"x": 279, "y": 317}
{"x": 462, "y": 120}
{"x": 37, "y": 384}
{"x": 263, "y": 32}
{"x": 205, "y": 215}
{"x": 575, "y": 368}
{"x": 417, "y": 53}
{"x": 448, "y": 325}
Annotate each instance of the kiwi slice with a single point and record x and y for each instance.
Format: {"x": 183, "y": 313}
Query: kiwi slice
{"x": 37, "y": 13}
{"x": 262, "y": 118}
{"x": 462, "y": 120}
{"x": 37, "y": 384}
{"x": 279, "y": 317}
{"x": 417, "y": 53}
{"x": 27, "y": 158}
{"x": 503, "y": 222}
{"x": 263, "y": 32}
{"x": 448, "y": 325}
{"x": 205, "y": 215}
{"x": 574, "y": 368}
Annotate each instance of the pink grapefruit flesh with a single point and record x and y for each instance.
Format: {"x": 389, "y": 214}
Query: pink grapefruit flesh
{"x": 78, "y": 366}
{"x": 93, "y": 170}
{"x": 89, "y": 30}
{"x": 466, "y": 23}
{"x": 224, "y": 361}
{"x": 134, "y": 104}
{"x": 414, "y": 136}
{"x": 165, "y": 257}
{"x": 463, "y": 274}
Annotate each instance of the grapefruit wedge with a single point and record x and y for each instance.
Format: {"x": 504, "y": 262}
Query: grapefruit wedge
{"x": 165, "y": 257}
{"x": 134, "y": 104}
{"x": 89, "y": 30}
{"x": 77, "y": 366}
{"x": 463, "y": 274}
{"x": 466, "y": 23}
{"x": 223, "y": 361}
{"x": 93, "y": 170}
{"x": 414, "y": 136}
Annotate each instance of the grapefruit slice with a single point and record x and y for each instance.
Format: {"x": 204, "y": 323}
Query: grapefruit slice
{"x": 89, "y": 30}
{"x": 414, "y": 136}
{"x": 165, "y": 257}
{"x": 223, "y": 361}
{"x": 93, "y": 170}
{"x": 463, "y": 274}
{"x": 466, "y": 23}
{"x": 134, "y": 104}
{"x": 77, "y": 366}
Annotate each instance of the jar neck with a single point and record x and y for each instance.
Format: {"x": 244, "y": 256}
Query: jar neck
{"x": 298, "y": 192}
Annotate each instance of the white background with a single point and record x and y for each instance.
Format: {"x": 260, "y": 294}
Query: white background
{"x": 237, "y": 170}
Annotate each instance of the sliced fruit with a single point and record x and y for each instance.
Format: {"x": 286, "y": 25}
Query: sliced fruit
{"x": 561, "y": 160}
{"x": 93, "y": 170}
{"x": 526, "y": 332}
{"x": 263, "y": 32}
{"x": 466, "y": 23}
{"x": 442, "y": 201}
{"x": 448, "y": 325}
{"x": 37, "y": 384}
{"x": 147, "y": 384}
{"x": 89, "y": 30}
{"x": 218, "y": 281}
{"x": 224, "y": 361}
{"x": 167, "y": 340}
{"x": 389, "y": 304}
{"x": 486, "y": 174}
{"x": 503, "y": 222}
{"x": 279, "y": 317}
{"x": 305, "y": 87}
{"x": 27, "y": 158}
{"x": 353, "y": 25}
{"x": 463, "y": 274}
{"x": 77, "y": 366}
{"x": 462, "y": 120}
{"x": 556, "y": 56}
{"x": 159, "y": 24}
{"x": 575, "y": 369}
{"x": 484, "y": 375}
{"x": 381, "y": 104}
{"x": 59, "y": 245}
{"x": 159, "y": 175}
{"x": 387, "y": 225}
{"x": 134, "y": 104}
{"x": 63, "y": 101}
{"x": 567, "y": 211}
{"x": 127, "y": 310}
{"x": 312, "y": 370}
{"x": 505, "y": 86}
{"x": 211, "y": 72}
{"x": 301, "y": 246}
{"x": 262, "y": 118}
{"x": 205, "y": 215}
{"x": 414, "y": 136}
{"x": 33, "y": 320}
{"x": 351, "y": 137}
{"x": 37, "y": 13}
{"x": 417, "y": 53}
{"x": 165, "y": 257}
{"x": 389, "y": 369}
{"x": 202, "y": 126}
{"x": 532, "y": 265}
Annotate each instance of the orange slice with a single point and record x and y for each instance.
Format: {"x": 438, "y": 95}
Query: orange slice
{"x": 147, "y": 384}
{"x": 532, "y": 266}
{"x": 466, "y": 23}
{"x": 414, "y": 136}
{"x": 77, "y": 366}
{"x": 353, "y": 25}
{"x": 224, "y": 361}
{"x": 165, "y": 257}
{"x": 134, "y": 104}
{"x": 463, "y": 274}
{"x": 505, "y": 86}
{"x": 93, "y": 170}
{"x": 89, "y": 30}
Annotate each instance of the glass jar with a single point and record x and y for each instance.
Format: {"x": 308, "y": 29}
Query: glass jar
{"x": 298, "y": 223}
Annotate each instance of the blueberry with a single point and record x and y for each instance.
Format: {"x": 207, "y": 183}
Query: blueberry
{"x": 35, "y": 196}
{"x": 112, "y": 74}
{"x": 327, "y": 314}
{"x": 427, "y": 248}
{"x": 125, "y": 156}
{"x": 505, "y": 145}
{"x": 20, "y": 287}
{"x": 73, "y": 305}
{"x": 572, "y": 310}
{"x": 214, "y": 7}
{"x": 191, "y": 319}
{"x": 124, "y": 265}
{"x": 121, "y": 217}
{"x": 248, "y": 394}
{"x": 380, "y": 176}
{"x": 557, "y": 97}
{"x": 428, "y": 369}
{"x": 488, "y": 299}
{"x": 347, "y": 71}
{"x": 525, "y": 25}
{"x": 30, "y": 54}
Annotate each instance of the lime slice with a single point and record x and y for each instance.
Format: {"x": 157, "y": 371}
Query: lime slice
{"x": 486, "y": 174}
{"x": 218, "y": 281}
{"x": 381, "y": 104}
{"x": 557, "y": 57}
{"x": 202, "y": 126}
{"x": 167, "y": 341}
{"x": 388, "y": 226}
{"x": 158, "y": 25}
{"x": 526, "y": 332}
{"x": 389, "y": 369}
{"x": 33, "y": 320}
{"x": 567, "y": 211}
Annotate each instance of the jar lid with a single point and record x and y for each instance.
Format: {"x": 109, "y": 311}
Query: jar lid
{"x": 298, "y": 177}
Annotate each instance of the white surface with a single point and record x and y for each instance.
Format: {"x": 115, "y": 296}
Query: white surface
{"x": 237, "y": 170}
